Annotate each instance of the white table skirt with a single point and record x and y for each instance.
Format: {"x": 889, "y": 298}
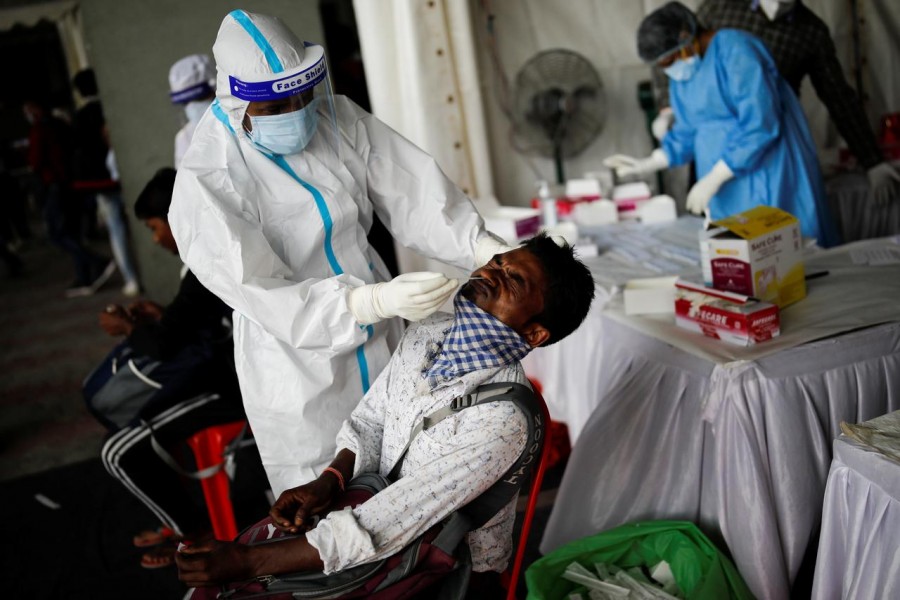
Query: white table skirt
{"x": 856, "y": 213}
{"x": 742, "y": 449}
{"x": 859, "y": 549}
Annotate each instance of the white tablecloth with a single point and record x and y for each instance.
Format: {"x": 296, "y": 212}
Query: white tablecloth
{"x": 850, "y": 297}
{"x": 859, "y": 549}
{"x": 742, "y": 449}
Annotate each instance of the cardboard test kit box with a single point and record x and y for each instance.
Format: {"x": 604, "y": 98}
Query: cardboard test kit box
{"x": 757, "y": 253}
{"x": 730, "y": 317}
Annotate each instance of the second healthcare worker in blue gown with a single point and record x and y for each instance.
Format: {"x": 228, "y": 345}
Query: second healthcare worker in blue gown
{"x": 271, "y": 208}
{"x": 737, "y": 119}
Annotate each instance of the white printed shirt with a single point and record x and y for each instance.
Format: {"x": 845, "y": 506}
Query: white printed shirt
{"x": 446, "y": 466}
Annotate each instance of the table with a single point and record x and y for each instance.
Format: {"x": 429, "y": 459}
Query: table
{"x": 736, "y": 440}
{"x": 859, "y": 546}
{"x": 825, "y": 311}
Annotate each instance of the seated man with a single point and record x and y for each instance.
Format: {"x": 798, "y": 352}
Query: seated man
{"x": 199, "y": 387}
{"x": 531, "y": 296}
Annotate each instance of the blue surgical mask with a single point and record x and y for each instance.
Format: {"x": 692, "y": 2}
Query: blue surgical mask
{"x": 683, "y": 68}
{"x": 194, "y": 110}
{"x": 288, "y": 133}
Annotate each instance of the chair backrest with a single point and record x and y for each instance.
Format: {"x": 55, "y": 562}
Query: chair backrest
{"x": 537, "y": 479}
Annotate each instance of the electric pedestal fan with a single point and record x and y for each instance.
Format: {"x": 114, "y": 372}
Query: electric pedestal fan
{"x": 558, "y": 106}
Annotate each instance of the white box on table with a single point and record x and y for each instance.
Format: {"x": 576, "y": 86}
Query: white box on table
{"x": 629, "y": 198}
{"x": 758, "y": 253}
{"x": 733, "y": 318}
{"x": 512, "y": 223}
{"x": 651, "y": 295}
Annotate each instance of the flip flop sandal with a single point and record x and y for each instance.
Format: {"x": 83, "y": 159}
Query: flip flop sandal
{"x": 163, "y": 556}
{"x": 153, "y": 537}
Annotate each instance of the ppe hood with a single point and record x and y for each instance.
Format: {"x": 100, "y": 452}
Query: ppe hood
{"x": 258, "y": 58}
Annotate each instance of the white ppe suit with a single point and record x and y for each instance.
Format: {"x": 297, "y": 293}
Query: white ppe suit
{"x": 190, "y": 83}
{"x": 282, "y": 240}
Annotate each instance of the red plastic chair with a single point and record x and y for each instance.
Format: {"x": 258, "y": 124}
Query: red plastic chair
{"x": 208, "y": 446}
{"x": 510, "y": 578}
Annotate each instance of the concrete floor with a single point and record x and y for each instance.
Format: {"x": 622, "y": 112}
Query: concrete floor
{"x": 48, "y": 344}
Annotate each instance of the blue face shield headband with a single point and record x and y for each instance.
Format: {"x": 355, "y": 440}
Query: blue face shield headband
{"x": 259, "y": 91}
{"x": 287, "y": 133}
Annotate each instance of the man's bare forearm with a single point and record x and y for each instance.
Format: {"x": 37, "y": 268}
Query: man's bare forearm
{"x": 288, "y": 556}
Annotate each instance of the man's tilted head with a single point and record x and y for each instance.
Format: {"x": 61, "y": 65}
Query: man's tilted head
{"x": 539, "y": 289}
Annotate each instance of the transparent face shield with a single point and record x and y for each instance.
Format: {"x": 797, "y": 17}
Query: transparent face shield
{"x": 686, "y": 39}
{"x": 293, "y": 113}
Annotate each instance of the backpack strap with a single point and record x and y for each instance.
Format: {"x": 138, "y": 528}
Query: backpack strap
{"x": 482, "y": 509}
{"x": 228, "y": 454}
{"x": 483, "y": 393}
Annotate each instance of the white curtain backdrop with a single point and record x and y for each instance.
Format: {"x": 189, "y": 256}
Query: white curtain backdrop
{"x": 66, "y": 16}
{"x": 422, "y": 78}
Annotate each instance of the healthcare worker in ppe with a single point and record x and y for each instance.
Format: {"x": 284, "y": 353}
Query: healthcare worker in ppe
{"x": 272, "y": 204}
{"x": 191, "y": 81}
{"x": 801, "y": 45}
{"x": 736, "y": 118}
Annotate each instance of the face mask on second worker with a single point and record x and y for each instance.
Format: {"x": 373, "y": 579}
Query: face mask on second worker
{"x": 683, "y": 68}
{"x": 195, "y": 109}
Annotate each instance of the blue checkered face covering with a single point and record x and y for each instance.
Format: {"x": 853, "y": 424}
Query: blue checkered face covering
{"x": 477, "y": 340}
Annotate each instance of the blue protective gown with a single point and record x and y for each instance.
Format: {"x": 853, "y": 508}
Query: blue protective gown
{"x": 737, "y": 108}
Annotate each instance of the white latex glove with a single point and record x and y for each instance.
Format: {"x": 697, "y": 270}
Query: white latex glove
{"x": 628, "y": 165}
{"x": 661, "y": 124}
{"x": 487, "y": 247}
{"x": 706, "y": 187}
{"x": 884, "y": 181}
{"x": 412, "y": 296}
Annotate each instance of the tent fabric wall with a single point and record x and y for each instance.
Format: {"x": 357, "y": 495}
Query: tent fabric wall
{"x": 421, "y": 74}
{"x": 71, "y": 37}
{"x": 67, "y": 18}
{"x": 30, "y": 14}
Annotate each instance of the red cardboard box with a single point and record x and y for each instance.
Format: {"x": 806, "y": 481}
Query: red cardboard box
{"x": 730, "y": 317}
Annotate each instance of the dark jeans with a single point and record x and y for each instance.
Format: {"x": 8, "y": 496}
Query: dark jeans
{"x": 63, "y": 217}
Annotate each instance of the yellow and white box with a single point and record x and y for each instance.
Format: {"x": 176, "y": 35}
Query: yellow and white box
{"x": 758, "y": 253}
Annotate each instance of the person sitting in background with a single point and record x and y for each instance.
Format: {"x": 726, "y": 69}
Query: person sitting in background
{"x": 191, "y": 336}
{"x": 191, "y": 81}
{"x": 195, "y": 314}
{"x": 531, "y": 296}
